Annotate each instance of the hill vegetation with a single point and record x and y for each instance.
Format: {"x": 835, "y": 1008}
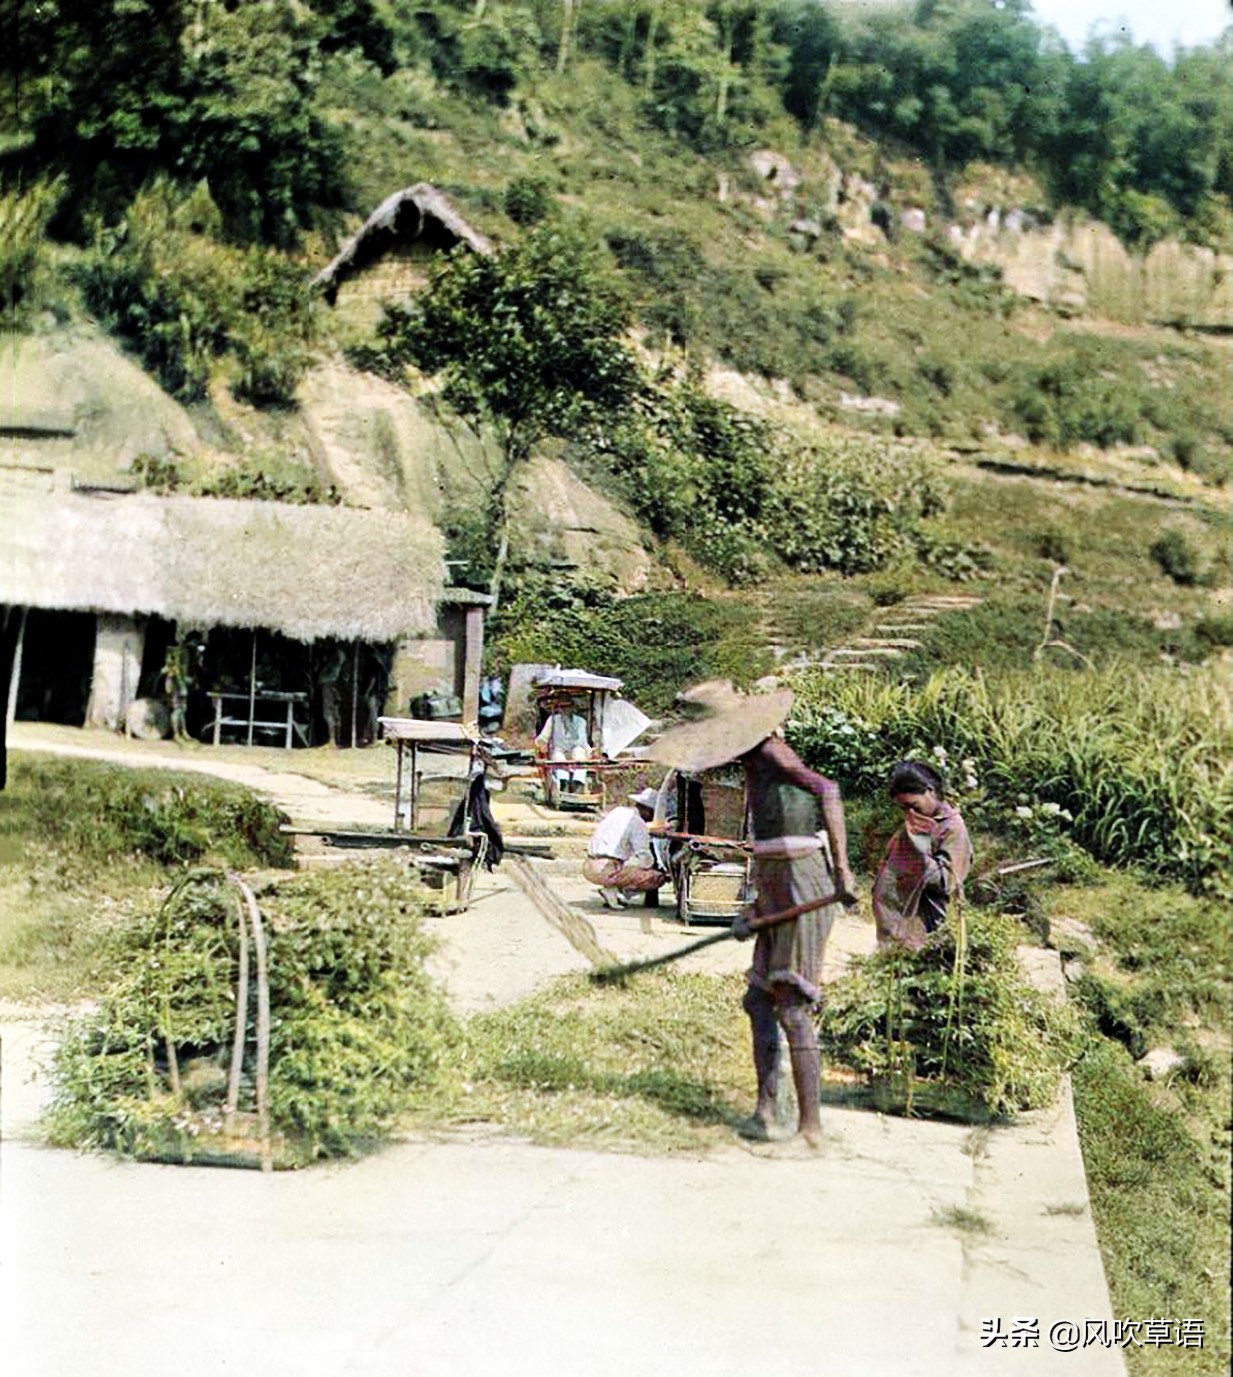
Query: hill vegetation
{"x": 253, "y": 97}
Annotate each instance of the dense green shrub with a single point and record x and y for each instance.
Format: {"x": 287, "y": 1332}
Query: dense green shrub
{"x": 656, "y": 642}
{"x": 736, "y": 492}
{"x": 163, "y": 287}
{"x": 1212, "y": 462}
{"x": 271, "y": 332}
{"x": 24, "y": 216}
{"x": 851, "y": 505}
{"x": 528, "y": 200}
{"x": 1065, "y": 401}
{"x": 1052, "y": 545}
{"x": 356, "y": 1025}
{"x": 182, "y": 299}
{"x": 1175, "y": 556}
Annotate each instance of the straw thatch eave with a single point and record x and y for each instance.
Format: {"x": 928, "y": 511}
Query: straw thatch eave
{"x": 417, "y": 212}
{"x": 306, "y": 571}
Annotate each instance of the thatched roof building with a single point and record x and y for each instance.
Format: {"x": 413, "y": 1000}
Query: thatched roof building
{"x": 420, "y": 216}
{"x": 308, "y": 572}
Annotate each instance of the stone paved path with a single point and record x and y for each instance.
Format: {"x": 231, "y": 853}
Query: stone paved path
{"x": 479, "y": 1254}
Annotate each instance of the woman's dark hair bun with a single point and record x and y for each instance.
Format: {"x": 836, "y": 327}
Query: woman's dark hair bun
{"x": 914, "y": 777}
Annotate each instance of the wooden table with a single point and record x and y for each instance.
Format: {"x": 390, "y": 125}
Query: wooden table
{"x": 410, "y": 734}
{"x": 247, "y": 717}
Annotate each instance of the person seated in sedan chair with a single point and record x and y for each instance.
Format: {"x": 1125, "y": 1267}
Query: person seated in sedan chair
{"x": 619, "y": 856}
{"x": 564, "y": 737}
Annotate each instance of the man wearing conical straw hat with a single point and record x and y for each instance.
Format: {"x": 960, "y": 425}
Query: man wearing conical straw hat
{"x": 792, "y": 866}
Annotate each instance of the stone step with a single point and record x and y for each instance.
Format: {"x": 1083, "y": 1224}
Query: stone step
{"x": 843, "y": 666}
{"x": 886, "y": 653}
{"x": 940, "y": 604}
{"x": 879, "y": 642}
{"x": 893, "y": 630}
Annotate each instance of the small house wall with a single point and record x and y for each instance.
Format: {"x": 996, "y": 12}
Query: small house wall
{"x": 424, "y": 664}
{"x": 361, "y": 299}
{"x": 446, "y": 661}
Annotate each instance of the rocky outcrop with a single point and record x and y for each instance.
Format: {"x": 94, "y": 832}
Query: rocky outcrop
{"x": 1081, "y": 266}
{"x": 74, "y": 400}
{"x": 558, "y": 520}
{"x": 380, "y": 447}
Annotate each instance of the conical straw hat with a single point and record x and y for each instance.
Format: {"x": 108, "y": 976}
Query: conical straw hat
{"x": 726, "y": 725}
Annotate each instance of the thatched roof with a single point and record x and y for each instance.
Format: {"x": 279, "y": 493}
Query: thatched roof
{"x": 418, "y": 212}
{"x": 307, "y": 571}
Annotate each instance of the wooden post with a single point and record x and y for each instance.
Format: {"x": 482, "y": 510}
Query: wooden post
{"x": 473, "y": 657}
{"x": 415, "y": 790}
{"x": 398, "y": 788}
{"x": 241, "y": 1018}
{"x": 10, "y": 707}
{"x": 252, "y": 689}
{"x": 355, "y": 686}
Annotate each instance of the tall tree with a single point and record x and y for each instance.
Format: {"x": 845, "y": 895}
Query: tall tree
{"x": 525, "y": 341}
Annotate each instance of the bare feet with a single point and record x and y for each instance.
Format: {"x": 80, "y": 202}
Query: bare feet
{"x": 811, "y": 1136}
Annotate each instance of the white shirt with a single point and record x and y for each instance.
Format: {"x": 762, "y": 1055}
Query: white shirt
{"x": 620, "y": 834}
{"x": 564, "y": 731}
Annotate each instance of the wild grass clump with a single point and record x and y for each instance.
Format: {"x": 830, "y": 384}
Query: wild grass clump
{"x": 356, "y": 1024}
{"x": 24, "y": 276}
{"x": 953, "y": 1024}
{"x": 1158, "y": 1176}
{"x": 661, "y": 1063}
{"x": 1003, "y": 633}
{"x": 1168, "y": 963}
{"x": 1139, "y": 758}
{"x": 91, "y": 812}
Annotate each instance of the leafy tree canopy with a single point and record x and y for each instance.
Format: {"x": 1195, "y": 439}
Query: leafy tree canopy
{"x": 527, "y": 339}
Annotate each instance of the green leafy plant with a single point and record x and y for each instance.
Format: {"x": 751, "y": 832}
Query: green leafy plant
{"x": 528, "y": 200}
{"x": 184, "y": 300}
{"x": 957, "y": 1016}
{"x": 356, "y": 1025}
{"x": 94, "y": 812}
{"x": 1138, "y": 757}
{"x": 526, "y": 341}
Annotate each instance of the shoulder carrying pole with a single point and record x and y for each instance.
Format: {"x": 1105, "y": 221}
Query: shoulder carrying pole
{"x": 607, "y": 975}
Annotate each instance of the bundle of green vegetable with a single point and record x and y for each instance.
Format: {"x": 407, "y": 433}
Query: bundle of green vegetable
{"x": 338, "y": 1023}
{"x": 953, "y": 1029}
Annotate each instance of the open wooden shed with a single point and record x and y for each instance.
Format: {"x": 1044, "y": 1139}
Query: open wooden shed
{"x": 90, "y": 572}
